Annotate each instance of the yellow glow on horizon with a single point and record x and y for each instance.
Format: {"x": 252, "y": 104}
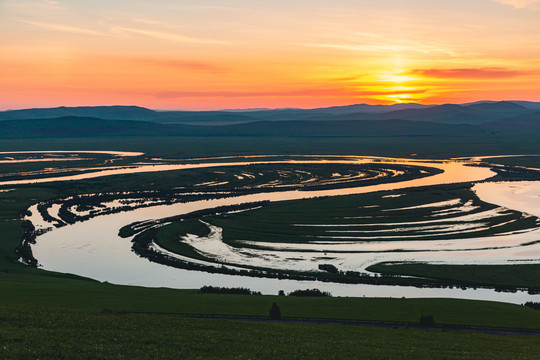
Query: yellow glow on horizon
{"x": 403, "y": 88}
{"x": 398, "y": 77}
{"x": 396, "y": 86}
{"x": 400, "y": 98}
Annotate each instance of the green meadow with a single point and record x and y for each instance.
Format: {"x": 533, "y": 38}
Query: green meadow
{"x": 30, "y": 333}
{"x": 508, "y": 275}
{"x": 49, "y": 315}
{"x": 431, "y": 147}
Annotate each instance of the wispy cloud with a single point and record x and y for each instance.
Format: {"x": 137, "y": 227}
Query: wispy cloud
{"x": 389, "y": 92}
{"x": 381, "y": 47}
{"x": 168, "y": 36}
{"x": 64, "y": 28}
{"x": 196, "y": 66}
{"x": 51, "y": 4}
{"x": 291, "y": 93}
{"x": 146, "y": 21}
{"x": 348, "y": 78}
{"x": 468, "y": 73}
{"x": 518, "y": 4}
{"x": 235, "y": 94}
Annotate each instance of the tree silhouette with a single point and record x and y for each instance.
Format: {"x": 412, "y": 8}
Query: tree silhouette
{"x": 427, "y": 320}
{"x": 274, "y": 312}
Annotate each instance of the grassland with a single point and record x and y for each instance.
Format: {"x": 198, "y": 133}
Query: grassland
{"x": 287, "y": 221}
{"x": 52, "y": 316}
{"x": 40, "y": 290}
{"x": 508, "y": 275}
{"x": 44, "y": 334}
{"x": 527, "y": 161}
{"x": 435, "y": 147}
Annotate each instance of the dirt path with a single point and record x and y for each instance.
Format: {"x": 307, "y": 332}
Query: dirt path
{"x": 385, "y": 324}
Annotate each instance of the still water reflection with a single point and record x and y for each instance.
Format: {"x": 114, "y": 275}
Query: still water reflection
{"x": 94, "y": 250}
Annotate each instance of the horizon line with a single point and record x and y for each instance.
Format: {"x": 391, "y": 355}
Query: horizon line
{"x": 265, "y": 108}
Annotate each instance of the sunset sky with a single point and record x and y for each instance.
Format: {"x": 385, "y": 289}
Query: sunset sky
{"x": 200, "y": 54}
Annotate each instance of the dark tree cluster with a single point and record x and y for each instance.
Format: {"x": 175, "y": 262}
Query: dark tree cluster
{"x": 427, "y": 320}
{"x": 226, "y": 290}
{"x": 24, "y": 250}
{"x": 43, "y": 211}
{"x": 275, "y": 312}
{"x": 328, "y": 267}
{"x": 533, "y": 305}
{"x": 310, "y": 293}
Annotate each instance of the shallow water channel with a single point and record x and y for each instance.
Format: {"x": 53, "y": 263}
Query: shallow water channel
{"x": 93, "y": 248}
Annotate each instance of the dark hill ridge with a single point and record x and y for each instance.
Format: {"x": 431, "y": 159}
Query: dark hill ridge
{"x": 126, "y": 113}
{"x": 373, "y": 109}
{"x": 72, "y": 126}
{"x": 497, "y": 106}
{"x": 525, "y": 122}
{"x": 447, "y": 113}
{"x": 203, "y": 117}
{"x": 75, "y": 126}
{"x": 345, "y": 128}
{"x": 474, "y": 113}
{"x": 458, "y": 114}
{"x": 102, "y": 112}
{"x": 528, "y": 104}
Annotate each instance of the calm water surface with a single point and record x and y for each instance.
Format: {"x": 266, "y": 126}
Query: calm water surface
{"x": 93, "y": 248}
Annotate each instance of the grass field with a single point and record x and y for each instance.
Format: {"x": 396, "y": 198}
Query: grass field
{"x": 527, "y": 161}
{"x": 53, "y": 316}
{"x": 434, "y": 147}
{"x": 520, "y": 275}
{"x": 56, "y": 317}
{"x": 65, "y": 293}
{"x": 31, "y": 333}
{"x": 363, "y": 214}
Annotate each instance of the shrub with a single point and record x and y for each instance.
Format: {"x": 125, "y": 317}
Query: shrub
{"x": 427, "y": 320}
{"x": 533, "y": 305}
{"x": 274, "y": 312}
{"x": 225, "y": 290}
{"x": 309, "y": 293}
{"x": 328, "y": 267}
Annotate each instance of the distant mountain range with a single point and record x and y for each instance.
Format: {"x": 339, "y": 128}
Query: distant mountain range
{"x": 473, "y": 119}
{"x": 76, "y": 126}
{"x": 473, "y": 113}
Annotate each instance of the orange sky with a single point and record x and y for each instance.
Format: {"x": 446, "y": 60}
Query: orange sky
{"x": 170, "y": 54}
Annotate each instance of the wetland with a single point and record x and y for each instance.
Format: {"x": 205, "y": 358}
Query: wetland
{"x": 275, "y": 223}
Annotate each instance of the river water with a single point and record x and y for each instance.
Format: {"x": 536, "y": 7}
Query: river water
{"x": 93, "y": 248}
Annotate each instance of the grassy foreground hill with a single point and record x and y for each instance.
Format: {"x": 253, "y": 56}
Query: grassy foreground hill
{"x": 52, "y": 334}
{"x": 51, "y": 317}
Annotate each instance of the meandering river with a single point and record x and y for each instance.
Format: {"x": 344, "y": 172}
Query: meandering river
{"x": 93, "y": 248}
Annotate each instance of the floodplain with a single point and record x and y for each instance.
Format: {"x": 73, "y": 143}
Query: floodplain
{"x": 302, "y": 218}
{"x": 384, "y": 227}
